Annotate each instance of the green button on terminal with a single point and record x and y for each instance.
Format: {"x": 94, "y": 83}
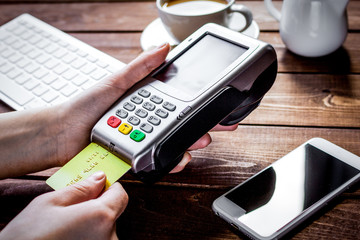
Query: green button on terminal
{"x": 137, "y": 136}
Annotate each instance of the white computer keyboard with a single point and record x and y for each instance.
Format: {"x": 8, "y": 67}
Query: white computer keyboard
{"x": 41, "y": 65}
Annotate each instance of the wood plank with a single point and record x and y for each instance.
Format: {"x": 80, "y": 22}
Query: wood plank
{"x": 189, "y": 216}
{"x": 129, "y": 16}
{"x": 234, "y": 156}
{"x": 160, "y": 212}
{"x": 345, "y": 60}
{"x": 126, "y": 46}
{"x": 311, "y": 100}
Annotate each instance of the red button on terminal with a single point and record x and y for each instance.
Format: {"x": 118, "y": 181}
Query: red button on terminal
{"x": 113, "y": 121}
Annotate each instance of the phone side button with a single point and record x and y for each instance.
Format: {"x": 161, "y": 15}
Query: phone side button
{"x": 232, "y": 224}
{"x": 184, "y": 112}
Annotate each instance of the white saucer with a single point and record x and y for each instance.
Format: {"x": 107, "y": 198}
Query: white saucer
{"x": 155, "y": 33}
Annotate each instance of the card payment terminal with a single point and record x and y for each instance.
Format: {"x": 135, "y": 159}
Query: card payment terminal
{"x": 214, "y": 76}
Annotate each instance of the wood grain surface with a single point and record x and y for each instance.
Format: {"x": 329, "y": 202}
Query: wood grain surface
{"x": 311, "y": 97}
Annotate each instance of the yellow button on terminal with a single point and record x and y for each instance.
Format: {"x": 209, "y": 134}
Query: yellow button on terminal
{"x": 125, "y": 128}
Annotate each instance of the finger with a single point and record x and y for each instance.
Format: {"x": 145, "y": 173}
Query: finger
{"x": 140, "y": 67}
{"x": 87, "y": 189}
{"x": 219, "y": 127}
{"x": 184, "y": 161}
{"x": 203, "y": 142}
{"x": 113, "y": 233}
{"x": 115, "y": 198}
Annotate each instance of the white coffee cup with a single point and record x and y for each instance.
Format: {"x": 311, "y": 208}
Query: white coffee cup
{"x": 183, "y": 17}
{"x": 311, "y": 28}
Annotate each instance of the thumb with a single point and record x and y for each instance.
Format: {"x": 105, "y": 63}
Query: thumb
{"x": 87, "y": 189}
{"x": 140, "y": 67}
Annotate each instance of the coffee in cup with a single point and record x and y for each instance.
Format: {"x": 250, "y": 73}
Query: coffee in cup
{"x": 183, "y": 17}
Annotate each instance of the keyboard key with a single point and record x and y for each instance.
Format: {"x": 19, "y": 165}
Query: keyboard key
{"x": 78, "y": 63}
{"x": 38, "y": 102}
{"x": 14, "y": 73}
{"x": 51, "y": 48}
{"x": 31, "y": 68}
{"x": 99, "y": 74}
{"x": 102, "y": 64}
{"x": 7, "y": 53}
{"x": 43, "y": 44}
{"x": 50, "y": 78}
{"x": 34, "y": 54}
{"x": 17, "y": 44}
{"x": 70, "y": 74}
{"x": 79, "y": 80}
{"x": 58, "y": 84}
{"x": 5, "y": 68}
{"x": 40, "y": 89}
{"x": 22, "y": 78}
{"x": 26, "y": 49}
{"x": 68, "y": 58}
{"x": 23, "y": 62}
{"x": 51, "y": 63}
{"x": 88, "y": 68}
{"x": 15, "y": 58}
{"x": 60, "y": 69}
{"x": 15, "y": 92}
{"x": 43, "y": 59}
{"x": 31, "y": 84}
{"x": 50, "y": 96}
{"x": 40, "y": 73}
{"x": 68, "y": 90}
{"x": 59, "y": 53}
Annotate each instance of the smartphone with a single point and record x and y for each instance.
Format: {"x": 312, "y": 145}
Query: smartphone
{"x": 279, "y": 198}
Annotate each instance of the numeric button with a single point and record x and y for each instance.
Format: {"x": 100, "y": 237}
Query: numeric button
{"x": 148, "y": 106}
{"x": 141, "y": 113}
{"x": 121, "y": 113}
{"x": 146, "y": 127}
{"x": 129, "y": 106}
{"x": 169, "y": 106}
{"x": 144, "y": 93}
{"x": 161, "y": 113}
{"x": 134, "y": 120}
{"x": 154, "y": 120}
{"x": 156, "y": 99}
{"x": 136, "y": 99}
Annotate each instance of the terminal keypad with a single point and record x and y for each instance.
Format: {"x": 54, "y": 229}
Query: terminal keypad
{"x": 144, "y": 110}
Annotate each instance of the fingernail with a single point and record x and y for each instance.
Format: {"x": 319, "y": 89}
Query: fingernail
{"x": 161, "y": 46}
{"x": 98, "y": 176}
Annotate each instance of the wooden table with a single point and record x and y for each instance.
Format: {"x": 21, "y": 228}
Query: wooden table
{"x": 311, "y": 98}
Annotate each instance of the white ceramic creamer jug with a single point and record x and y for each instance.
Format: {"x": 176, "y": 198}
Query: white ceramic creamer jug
{"x": 311, "y": 28}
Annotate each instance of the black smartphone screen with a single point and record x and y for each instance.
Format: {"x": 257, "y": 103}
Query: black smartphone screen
{"x": 281, "y": 192}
